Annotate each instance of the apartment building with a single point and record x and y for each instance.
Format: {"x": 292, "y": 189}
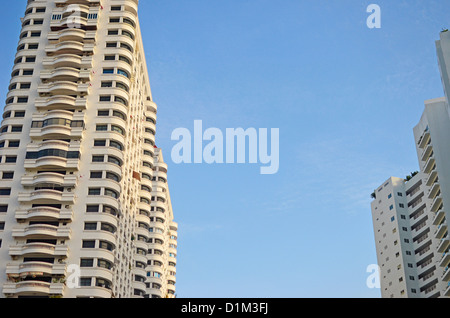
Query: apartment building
{"x": 410, "y": 216}
{"x": 85, "y": 208}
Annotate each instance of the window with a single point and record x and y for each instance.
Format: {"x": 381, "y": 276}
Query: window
{"x": 98, "y": 158}
{"x": 401, "y": 205}
{"x": 128, "y": 21}
{"x": 112, "y": 176}
{"x": 3, "y": 208}
{"x": 92, "y": 208}
{"x": 111, "y": 193}
{"x": 90, "y": 226}
{"x": 87, "y": 262}
{"x": 85, "y": 281}
{"x": 2, "y": 226}
{"x": 103, "y": 113}
{"x": 101, "y": 127}
{"x": 113, "y": 32}
{"x": 5, "y": 191}
{"x": 8, "y": 175}
{"x": 393, "y": 219}
{"x": 14, "y": 143}
{"x": 92, "y": 16}
{"x": 122, "y": 72}
{"x": 115, "y": 144}
{"x": 11, "y": 159}
{"x": 114, "y": 160}
{"x": 118, "y": 114}
{"x": 94, "y": 191}
{"x": 111, "y": 44}
{"x": 96, "y": 174}
{"x": 88, "y": 244}
{"x": 124, "y": 59}
{"x": 116, "y": 8}
{"x": 19, "y": 114}
{"x": 391, "y": 207}
{"x": 108, "y": 71}
{"x": 99, "y": 143}
{"x": 390, "y": 196}
{"x": 126, "y": 33}
{"x": 107, "y": 84}
{"x": 16, "y": 129}
{"x": 114, "y": 20}
{"x": 117, "y": 129}
{"x": 105, "y": 98}
{"x": 57, "y": 17}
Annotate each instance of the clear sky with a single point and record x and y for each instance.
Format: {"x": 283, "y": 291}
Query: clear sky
{"x": 345, "y": 98}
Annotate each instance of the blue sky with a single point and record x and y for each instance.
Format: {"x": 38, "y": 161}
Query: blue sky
{"x": 345, "y": 99}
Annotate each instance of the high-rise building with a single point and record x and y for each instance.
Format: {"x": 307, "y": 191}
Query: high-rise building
{"x": 85, "y": 209}
{"x": 410, "y": 216}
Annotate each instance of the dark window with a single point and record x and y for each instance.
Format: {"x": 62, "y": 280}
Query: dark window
{"x": 90, "y": 226}
{"x": 96, "y": 174}
{"x": 88, "y": 244}
{"x": 92, "y": 208}
{"x": 5, "y": 191}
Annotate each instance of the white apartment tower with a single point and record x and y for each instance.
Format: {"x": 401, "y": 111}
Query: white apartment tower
{"x": 85, "y": 208}
{"x": 410, "y": 217}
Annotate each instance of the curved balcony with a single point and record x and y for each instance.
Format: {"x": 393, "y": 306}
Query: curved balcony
{"x": 139, "y": 285}
{"x": 68, "y": 60}
{"x": 140, "y": 258}
{"x": 44, "y": 196}
{"x": 143, "y": 219}
{"x": 37, "y": 268}
{"x": 139, "y": 271}
{"x": 141, "y": 232}
{"x": 33, "y": 287}
{"x": 101, "y": 235}
{"x": 156, "y": 257}
{"x": 42, "y": 230}
{"x": 75, "y": 22}
{"x": 157, "y": 280}
{"x": 98, "y": 272}
{"x": 69, "y": 47}
{"x": 102, "y": 217}
{"x": 52, "y": 162}
{"x": 49, "y": 177}
{"x": 151, "y": 106}
{"x": 44, "y": 213}
{"x": 94, "y": 292}
{"x": 71, "y": 34}
{"x": 64, "y": 88}
{"x": 57, "y": 131}
{"x": 39, "y": 248}
{"x": 65, "y": 73}
{"x": 140, "y": 244}
{"x": 99, "y": 253}
{"x": 60, "y": 102}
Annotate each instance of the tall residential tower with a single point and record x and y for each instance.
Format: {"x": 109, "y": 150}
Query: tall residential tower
{"x": 85, "y": 209}
{"x": 410, "y": 216}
